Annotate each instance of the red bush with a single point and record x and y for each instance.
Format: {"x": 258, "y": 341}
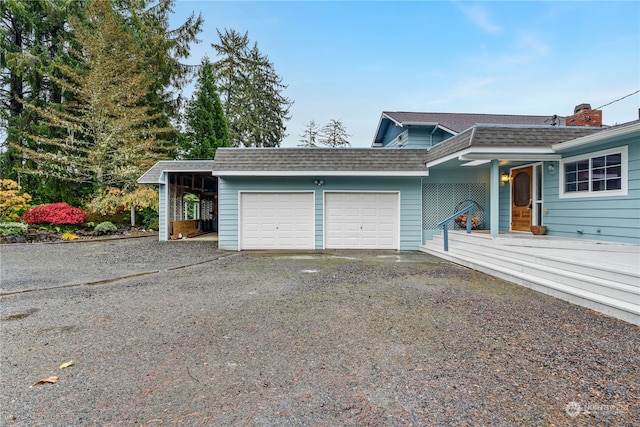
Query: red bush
{"x": 54, "y": 214}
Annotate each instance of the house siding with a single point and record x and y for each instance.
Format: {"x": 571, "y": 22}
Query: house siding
{"x": 608, "y": 218}
{"x": 409, "y": 190}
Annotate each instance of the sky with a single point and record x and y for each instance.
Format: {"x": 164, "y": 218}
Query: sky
{"x": 352, "y": 60}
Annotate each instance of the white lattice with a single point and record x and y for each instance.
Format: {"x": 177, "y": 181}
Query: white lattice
{"x": 439, "y": 201}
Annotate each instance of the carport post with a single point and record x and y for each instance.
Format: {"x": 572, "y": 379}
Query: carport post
{"x": 494, "y": 186}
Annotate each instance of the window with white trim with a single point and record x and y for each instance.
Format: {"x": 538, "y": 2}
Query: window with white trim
{"x": 603, "y": 173}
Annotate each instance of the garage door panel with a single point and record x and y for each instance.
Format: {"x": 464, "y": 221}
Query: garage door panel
{"x": 361, "y": 220}
{"x": 277, "y": 221}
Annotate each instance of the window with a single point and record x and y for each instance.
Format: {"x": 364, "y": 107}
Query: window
{"x": 596, "y": 174}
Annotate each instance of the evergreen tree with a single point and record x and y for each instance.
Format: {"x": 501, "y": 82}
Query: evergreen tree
{"x": 164, "y": 49}
{"x": 309, "y": 135}
{"x": 206, "y": 126}
{"x": 251, "y": 92}
{"x": 33, "y": 35}
{"x": 106, "y": 137}
{"x": 334, "y": 134}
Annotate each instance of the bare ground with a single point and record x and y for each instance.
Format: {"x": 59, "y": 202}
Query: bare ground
{"x": 318, "y": 338}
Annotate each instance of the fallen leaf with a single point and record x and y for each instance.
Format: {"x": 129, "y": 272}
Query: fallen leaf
{"x": 50, "y": 380}
{"x": 66, "y": 365}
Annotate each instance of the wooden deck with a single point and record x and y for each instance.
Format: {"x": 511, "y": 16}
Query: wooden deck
{"x": 602, "y": 276}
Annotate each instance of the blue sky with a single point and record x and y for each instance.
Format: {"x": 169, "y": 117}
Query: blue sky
{"x": 353, "y": 60}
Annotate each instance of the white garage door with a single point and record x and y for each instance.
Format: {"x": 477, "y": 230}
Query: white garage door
{"x": 361, "y": 221}
{"x": 277, "y": 221}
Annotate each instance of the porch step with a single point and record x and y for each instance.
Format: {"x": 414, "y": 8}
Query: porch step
{"x": 570, "y": 273}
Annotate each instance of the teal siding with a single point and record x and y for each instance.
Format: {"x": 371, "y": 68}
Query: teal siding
{"x": 409, "y": 190}
{"x": 504, "y": 223}
{"x": 418, "y": 137}
{"x": 611, "y": 218}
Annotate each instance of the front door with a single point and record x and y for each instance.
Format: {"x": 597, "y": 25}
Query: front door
{"x": 521, "y": 198}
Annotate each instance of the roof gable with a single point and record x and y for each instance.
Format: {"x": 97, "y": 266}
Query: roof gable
{"x": 455, "y": 123}
{"x": 152, "y": 176}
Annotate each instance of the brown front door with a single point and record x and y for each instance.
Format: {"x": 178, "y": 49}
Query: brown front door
{"x": 521, "y": 198}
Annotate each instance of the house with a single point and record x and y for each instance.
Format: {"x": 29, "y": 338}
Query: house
{"x": 517, "y": 171}
{"x": 579, "y": 179}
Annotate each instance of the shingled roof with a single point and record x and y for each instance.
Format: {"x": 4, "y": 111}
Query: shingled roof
{"x": 497, "y": 136}
{"x": 152, "y": 176}
{"x": 459, "y": 122}
{"x": 313, "y": 161}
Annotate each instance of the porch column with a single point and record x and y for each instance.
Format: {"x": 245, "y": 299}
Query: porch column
{"x": 494, "y": 191}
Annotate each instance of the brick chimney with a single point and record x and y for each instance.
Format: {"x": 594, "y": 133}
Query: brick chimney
{"x": 583, "y": 115}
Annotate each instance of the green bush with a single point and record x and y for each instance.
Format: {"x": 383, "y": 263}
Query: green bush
{"x": 12, "y": 228}
{"x": 149, "y": 218}
{"x": 105, "y": 228}
{"x": 154, "y": 225}
{"x": 120, "y": 219}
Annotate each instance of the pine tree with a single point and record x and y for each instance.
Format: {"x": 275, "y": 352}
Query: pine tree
{"x": 107, "y": 136}
{"x": 33, "y": 35}
{"x": 164, "y": 48}
{"x": 251, "y": 92}
{"x": 309, "y": 135}
{"x": 206, "y": 125}
{"x": 334, "y": 134}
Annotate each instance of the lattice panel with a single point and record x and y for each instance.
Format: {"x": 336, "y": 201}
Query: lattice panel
{"x": 439, "y": 201}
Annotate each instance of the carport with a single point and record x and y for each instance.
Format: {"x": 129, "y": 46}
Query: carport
{"x": 188, "y": 197}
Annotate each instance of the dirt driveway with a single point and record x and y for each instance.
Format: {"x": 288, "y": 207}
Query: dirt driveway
{"x": 179, "y": 333}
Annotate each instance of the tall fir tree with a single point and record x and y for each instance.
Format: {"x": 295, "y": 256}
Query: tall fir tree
{"x": 309, "y": 135}
{"x": 334, "y": 134}
{"x": 164, "y": 48}
{"x": 107, "y": 136}
{"x": 251, "y": 92}
{"x": 33, "y": 35}
{"x": 206, "y": 125}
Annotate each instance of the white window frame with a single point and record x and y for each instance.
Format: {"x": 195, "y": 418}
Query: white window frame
{"x": 624, "y": 175}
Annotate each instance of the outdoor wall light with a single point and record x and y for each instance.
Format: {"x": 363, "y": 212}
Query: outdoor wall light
{"x": 319, "y": 182}
{"x": 551, "y": 168}
{"x": 504, "y": 178}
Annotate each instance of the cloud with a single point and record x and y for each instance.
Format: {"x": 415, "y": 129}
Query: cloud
{"x": 532, "y": 43}
{"x": 479, "y": 16}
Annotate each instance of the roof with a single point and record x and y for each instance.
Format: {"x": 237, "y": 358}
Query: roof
{"x": 314, "y": 161}
{"x": 623, "y": 130}
{"x": 497, "y": 138}
{"x": 152, "y": 176}
{"x": 458, "y": 122}
{"x": 455, "y": 123}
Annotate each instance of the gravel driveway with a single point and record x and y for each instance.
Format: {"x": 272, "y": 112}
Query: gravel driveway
{"x": 179, "y": 333}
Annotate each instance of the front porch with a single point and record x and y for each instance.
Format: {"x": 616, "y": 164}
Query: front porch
{"x": 603, "y": 276}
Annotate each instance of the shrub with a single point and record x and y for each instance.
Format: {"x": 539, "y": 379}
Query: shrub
{"x": 12, "y": 228}
{"x": 154, "y": 225}
{"x": 120, "y": 220}
{"x": 149, "y": 218}
{"x": 12, "y": 203}
{"x": 54, "y": 214}
{"x": 105, "y": 228}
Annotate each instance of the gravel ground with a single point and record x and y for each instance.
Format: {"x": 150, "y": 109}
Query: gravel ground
{"x": 178, "y": 333}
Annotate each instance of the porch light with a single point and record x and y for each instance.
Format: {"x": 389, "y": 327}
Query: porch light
{"x": 319, "y": 182}
{"x": 504, "y": 178}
